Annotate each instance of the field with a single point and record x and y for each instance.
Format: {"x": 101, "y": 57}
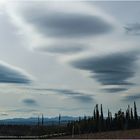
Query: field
{"x": 126, "y": 134}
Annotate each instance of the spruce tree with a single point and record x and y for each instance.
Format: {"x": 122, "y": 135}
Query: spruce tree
{"x": 42, "y": 119}
{"x": 132, "y": 114}
{"x": 128, "y": 112}
{"x": 108, "y": 114}
{"x": 38, "y": 123}
{"x": 59, "y": 118}
{"x": 97, "y": 112}
{"x": 94, "y": 114}
{"x": 102, "y": 116}
{"x": 102, "y": 119}
{"x": 135, "y": 112}
{"x": 108, "y": 120}
{"x": 97, "y": 118}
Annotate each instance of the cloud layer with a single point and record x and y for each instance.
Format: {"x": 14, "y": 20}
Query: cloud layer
{"x": 66, "y": 22}
{"x": 80, "y": 96}
{"x": 114, "y": 90}
{"x": 65, "y": 25}
{"x": 112, "y": 69}
{"x": 9, "y": 74}
{"x": 63, "y": 48}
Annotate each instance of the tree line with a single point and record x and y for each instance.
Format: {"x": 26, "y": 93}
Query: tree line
{"x": 97, "y": 123}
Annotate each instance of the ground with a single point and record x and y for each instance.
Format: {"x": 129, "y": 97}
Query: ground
{"x": 125, "y": 134}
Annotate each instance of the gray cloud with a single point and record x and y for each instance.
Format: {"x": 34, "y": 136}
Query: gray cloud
{"x": 113, "y": 69}
{"x": 64, "y": 91}
{"x": 84, "y": 98}
{"x": 29, "y": 102}
{"x": 114, "y": 90}
{"x": 133, "y": 29}
{"x": 11, "y": 75}
{"x": 68, "y": 48}
{"x": 61, "y": 24}
{"x": 80, "y": 96}
{"x": 132, "y": 97}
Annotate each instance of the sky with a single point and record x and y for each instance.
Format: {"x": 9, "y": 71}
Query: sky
{"x": 67, "y": 56}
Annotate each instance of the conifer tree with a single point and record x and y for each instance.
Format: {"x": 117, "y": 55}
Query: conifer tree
{"x": 102, "y": 116}
{"x": 97, "y": 112}
{"x": 97, "y": 118}
{"x": 128, "y": 113}
{"x": 42, "y": 120}
{"x": 38, "y": 123}
{"x": 135, "y": 112}
{"x": 108, "y": 114}
{"x": 94, "y": 114}
{"x": 132, "y": 114}
{"x": 102, "y": 119}
{"x": 59, "y": 118}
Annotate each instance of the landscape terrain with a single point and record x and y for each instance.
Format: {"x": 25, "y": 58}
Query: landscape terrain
{"x": 69, "y": 69}
{"x": 121, "y": 134}
{"x": 121, "y": 125}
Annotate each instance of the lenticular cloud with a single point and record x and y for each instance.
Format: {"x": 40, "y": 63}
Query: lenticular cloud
{"x": 49, "y": 23}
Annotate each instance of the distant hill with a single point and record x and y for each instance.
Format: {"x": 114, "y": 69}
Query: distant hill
{"x": 34, "y": 121}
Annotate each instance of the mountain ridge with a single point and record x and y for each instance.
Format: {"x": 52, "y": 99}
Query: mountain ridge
{"x": 34, "y": 120}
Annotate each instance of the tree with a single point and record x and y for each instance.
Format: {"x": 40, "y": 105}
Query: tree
{"x": 94, "y": 114}
{"x": 102, "y": 116}
{"x": 128, "y": 113}
{"x": 97, "y": 112}
{"x": 102, "y": 119}
{"x": 42, "y": 120}
{"x": 109, "y": 120}
{"x": 122, "y": 120}
{"x": 135, "y": 112}
{"x": 59, "y": 118}
{"x": 132, "y": 114}
{"x": 38, "y": 122}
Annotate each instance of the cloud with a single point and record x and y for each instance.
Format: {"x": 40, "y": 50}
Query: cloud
{"x": 114, "y": 90}
{"x": 70, "y": 23}
{"x": 63, "y": 48}
{"x": 65, "y": 25}
{"x": 112, "y": 69}
{"x": 132, "y": 97}
{"x": 84, "y": 98}
{"x": 77, "y": 95}
{"x": 133, "y": 29}
{"x": 65, "y": 91}
{"x": 10, "y": 74}
{"x": 29, "y": 102}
